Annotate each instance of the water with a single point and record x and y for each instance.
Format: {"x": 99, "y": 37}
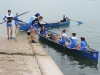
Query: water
{"x": 86, "y": 11}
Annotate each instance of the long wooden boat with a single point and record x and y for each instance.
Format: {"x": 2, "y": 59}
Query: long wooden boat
{"x": 24, "y": 26}
{"x": 92, "y": 54}
{"x": 71, "y": 56}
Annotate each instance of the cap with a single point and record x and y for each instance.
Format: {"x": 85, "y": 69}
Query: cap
{"x": 37, "y": 14}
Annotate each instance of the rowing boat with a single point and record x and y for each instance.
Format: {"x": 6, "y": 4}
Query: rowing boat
{"x": 24, "y": 26}
{"x": 92, "y": 54}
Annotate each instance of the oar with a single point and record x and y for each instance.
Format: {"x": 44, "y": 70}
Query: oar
{"x": 18, "y": 15}
{"x": 79, "y": 22}
{"x": 23, "y": 13}
{"x": 20, "y": 21}
{"x": 2, "y": 22}
{"x": 45, "y": 22}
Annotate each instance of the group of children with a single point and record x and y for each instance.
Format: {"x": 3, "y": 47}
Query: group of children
{"x": 71, "y": 42}
{"x": 8, "y": 19}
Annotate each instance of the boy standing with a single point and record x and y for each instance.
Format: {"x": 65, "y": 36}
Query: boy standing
{"x": 8, "y": 19}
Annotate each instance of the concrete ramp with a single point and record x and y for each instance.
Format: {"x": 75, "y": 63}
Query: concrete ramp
{"x": 25, "y": 58}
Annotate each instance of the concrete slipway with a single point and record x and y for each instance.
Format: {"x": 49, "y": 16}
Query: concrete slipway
{"x": 25, "y": 58}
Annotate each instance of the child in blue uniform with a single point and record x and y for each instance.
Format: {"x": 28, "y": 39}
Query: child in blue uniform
{"x": 43, "y": 31}
{"x": 82, "y": 45}
{"x": 16, "y": 23}
{"x": 8, "y": 19}
{"x": 72, "y": 43}
{"x": 62, "y": 40}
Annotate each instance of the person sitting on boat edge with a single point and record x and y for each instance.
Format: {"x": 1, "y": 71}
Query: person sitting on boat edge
{"x": 72, "y": 43}
{"x": 32, "y": 27}
{"x": 62, "y": 40}
{"x": 83, "y": 45}
{"x": 43, "y": 31}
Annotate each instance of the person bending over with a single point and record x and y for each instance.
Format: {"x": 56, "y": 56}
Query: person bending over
{"x": 35, "y": 22}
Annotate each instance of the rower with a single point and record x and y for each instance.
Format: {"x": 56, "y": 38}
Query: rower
{"x": 72, "y": 43}
{"x": 83, "y": 45}
{"x": 43, "y": 31}
{"x": 62, "y": 40}
{"x": 8, "y": 18}
{"x": 64, "y": 19}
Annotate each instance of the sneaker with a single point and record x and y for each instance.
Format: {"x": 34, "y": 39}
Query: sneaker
{"x": 33, "y": 41}
{"x": 8, "y": 38}
{"x": 12, "y": 38}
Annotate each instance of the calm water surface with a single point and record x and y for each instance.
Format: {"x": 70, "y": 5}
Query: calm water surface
{"x": 86, "y": 11}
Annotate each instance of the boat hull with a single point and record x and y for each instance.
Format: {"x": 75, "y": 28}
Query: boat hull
{"x": 23, "y": 26}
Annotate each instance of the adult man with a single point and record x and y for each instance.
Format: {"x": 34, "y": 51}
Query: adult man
{"x": 8, "y": 18}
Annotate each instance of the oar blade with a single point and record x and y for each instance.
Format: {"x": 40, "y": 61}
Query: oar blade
{"x": 79, "y": 22}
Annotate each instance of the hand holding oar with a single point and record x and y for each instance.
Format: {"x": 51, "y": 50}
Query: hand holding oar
{"x": 79, "y": 22}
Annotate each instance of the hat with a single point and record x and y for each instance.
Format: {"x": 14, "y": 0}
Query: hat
{"x": 37, "y": 14}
